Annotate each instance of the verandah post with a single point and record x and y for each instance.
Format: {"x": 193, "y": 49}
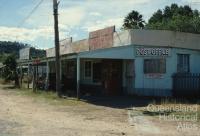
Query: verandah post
{"x": 78, "y": 77}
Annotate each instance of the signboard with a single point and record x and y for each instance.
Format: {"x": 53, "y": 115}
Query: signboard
{"x": 65, "y": 48}
{"x": 36, "y": 61}
{"x": 50, "y": 52}
{"x": 66, "y": 41}
{"x": 24, "y": 54}
{"x": 143, "y": 52}
{"x": 101, "y": 38}
{"x": 153, "y": 75}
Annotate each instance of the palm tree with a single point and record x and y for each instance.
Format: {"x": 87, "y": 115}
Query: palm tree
{"x": 133, "y": 20}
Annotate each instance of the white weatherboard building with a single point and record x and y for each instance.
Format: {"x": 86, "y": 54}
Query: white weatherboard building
{"x": 138, "y": 62}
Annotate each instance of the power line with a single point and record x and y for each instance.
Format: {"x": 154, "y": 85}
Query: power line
{"x": 29, "y": 15}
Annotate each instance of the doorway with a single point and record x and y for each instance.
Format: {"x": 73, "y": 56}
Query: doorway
{"x": 112, "y": 77}
{"x": 130, "y": 76}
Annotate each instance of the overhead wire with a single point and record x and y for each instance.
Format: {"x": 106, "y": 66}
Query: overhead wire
{"x": 29, "y": 15}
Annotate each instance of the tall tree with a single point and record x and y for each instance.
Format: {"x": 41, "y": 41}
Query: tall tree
{"x": 133, "y": 20}
{"x": 176, "y": 18}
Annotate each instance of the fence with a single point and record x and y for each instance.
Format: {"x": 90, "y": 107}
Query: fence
{"x": 186, "y": 84}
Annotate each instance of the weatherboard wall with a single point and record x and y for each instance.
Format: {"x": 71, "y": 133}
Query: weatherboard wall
{"x": 162, "y": 84}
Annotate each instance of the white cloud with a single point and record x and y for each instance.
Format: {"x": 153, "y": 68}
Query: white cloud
{"x": 77, "y": 18}
{"x": 95, "y": 14}
{"x": 92, "y": 26}
{"x": 24, "y": 34}
{"x": 71, "y": 16}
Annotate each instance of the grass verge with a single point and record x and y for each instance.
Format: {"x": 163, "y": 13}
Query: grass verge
{"x": 44, "y": 96}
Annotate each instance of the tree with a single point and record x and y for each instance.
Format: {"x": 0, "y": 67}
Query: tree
{"x": 175, "y": 18}
{"x": 10, "y": 72}
{"x": 157, "y": 17}
{"x": 133, "y": 20}
{"x": 7, "y": 48}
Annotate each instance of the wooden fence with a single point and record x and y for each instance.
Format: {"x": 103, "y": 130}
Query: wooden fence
{"x": 186, "y": 84}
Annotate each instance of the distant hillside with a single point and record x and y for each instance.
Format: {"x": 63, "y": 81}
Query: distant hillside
{"x": 7, "y": 48}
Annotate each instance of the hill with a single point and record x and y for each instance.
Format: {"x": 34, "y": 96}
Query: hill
{"x": 7, "y": 47}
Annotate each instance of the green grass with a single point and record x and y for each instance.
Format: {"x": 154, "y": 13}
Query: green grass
{"x": 3, "y": 82}
{"x": 49, "y": 97}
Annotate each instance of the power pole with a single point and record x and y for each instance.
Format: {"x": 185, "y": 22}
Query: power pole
{"x": 57, "y": 47}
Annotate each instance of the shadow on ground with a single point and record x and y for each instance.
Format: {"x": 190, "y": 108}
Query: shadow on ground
{"x": 120, "y": 102}
{"x": 123, "y": 102}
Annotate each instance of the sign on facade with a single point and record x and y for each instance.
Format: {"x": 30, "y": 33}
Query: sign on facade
{"x": 50, "y": 52}
{"x": 65, "y": 48}
{"x": 101, "y": 38}
{"x": 24, "y": 54}
{"x": 140, "y": 51}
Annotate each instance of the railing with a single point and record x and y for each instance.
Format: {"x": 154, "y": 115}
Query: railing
{"x": 186, "y": 84}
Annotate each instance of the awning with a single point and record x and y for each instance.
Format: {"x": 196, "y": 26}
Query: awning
{"x": 122, "y": 52}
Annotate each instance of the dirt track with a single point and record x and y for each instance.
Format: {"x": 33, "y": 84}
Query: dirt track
{"x": 20, "y": 115}
{"x": 23, "y": 116}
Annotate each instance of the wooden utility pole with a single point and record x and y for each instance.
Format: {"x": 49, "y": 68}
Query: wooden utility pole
{"x": 57, "y": 47}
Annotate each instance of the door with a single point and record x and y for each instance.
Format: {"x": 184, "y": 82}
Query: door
{"x": 130, "y": 76}
{"x": 112, "y": 77}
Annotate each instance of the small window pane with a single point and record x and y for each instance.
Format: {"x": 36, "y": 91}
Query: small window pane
{"x": 88, "y": 69}
{"x": 183, "y": 64}
{"x": 154, "y": 66}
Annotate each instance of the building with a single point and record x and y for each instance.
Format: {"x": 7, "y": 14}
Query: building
{"x": 136, "y": 62}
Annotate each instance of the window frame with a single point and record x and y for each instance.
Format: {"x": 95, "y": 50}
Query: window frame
{"x": 90, "y": 76}
{"x": 179, "y": 70}
{"x": 153, "y": 71}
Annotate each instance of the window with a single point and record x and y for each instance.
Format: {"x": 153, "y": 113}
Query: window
{"x": 154, "y": 66}
{"x": 88, "y": 69}
{"x": 183, "y": 64}
{"x": 71, "y": 69}
{"x": 97, "y": 72}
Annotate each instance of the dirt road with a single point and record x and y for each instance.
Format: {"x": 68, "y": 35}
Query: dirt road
{"x": 24, "y": 116}
{"x": 21, "y": 115}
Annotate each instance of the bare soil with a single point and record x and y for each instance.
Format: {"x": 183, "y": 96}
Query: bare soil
{"x": 22, "y": 115}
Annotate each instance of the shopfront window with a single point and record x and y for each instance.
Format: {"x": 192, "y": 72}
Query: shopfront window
{"x": 97, "y": 72}
{"x": 154, "y": 66}
{"x": 88, "y": 69}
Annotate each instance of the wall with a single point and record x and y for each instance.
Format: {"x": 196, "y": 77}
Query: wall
{"x": 165, "y": 38}
{"x": 162, "y": 86}
{"x": 80, "y": 46}
{"x": 102, "y": 38}
{"x": 122, "y": 38}
{"x": 68, "y": 47}
{"x": 108, "y": 38}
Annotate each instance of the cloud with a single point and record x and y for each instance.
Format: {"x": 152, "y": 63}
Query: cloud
{"x": 95, "y": 14}
{"x": 24, "y": 34}
{"x": 77, "y": 18}
{"x": 92, "y": 26}
{"x": 71, "y": 16}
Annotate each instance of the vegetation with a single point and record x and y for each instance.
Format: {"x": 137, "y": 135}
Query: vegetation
{"x": 7, "y": 48}
{"x": 48, "y": 97}
{"x": 133, "y": 20}
{"x": 174, "y": 17}
{"x": 10, "y": 70}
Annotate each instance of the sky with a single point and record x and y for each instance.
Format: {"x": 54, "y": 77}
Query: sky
{"x": 76, "y": 17}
